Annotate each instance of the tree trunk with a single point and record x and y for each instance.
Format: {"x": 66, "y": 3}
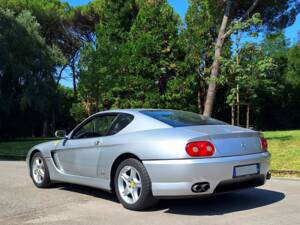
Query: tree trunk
{"x": 32, "y": 131}
{"x": 53, "y": 124}
{"x": 211, "y": 92}
{"x": 199, "y": 95}
{"x": 248, "y": 116}
{"x": 45, "y": 129}
{"x": 232, "y": 114}
{"x": 199, "y": 101}
{"x": 237, "y": 105}
{"x": 74, "y": 78}
{"x": 60, "y": 75}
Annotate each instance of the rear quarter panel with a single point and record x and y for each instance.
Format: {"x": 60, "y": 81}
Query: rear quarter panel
{"x": 159, "y": 144}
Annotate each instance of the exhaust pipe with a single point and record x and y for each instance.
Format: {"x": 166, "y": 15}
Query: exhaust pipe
{"x": 200, "y": 187}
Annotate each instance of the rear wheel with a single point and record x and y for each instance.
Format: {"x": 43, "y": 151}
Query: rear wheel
{"x": 39, "y": 171}
{"x": 133, "y": 185}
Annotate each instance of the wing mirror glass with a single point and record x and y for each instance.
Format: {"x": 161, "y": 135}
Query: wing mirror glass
{"x": 61, "y": 134}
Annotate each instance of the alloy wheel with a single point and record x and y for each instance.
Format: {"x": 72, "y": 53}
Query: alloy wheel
{"x": 129, "y": 184}
{"x": 38, "y": 170}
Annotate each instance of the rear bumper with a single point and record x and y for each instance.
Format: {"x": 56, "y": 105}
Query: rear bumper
{"x": 176, "y": 177}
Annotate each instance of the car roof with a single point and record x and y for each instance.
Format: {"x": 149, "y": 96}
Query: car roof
{"x": 131, "y": 111}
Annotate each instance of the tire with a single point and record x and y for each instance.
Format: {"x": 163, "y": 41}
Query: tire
{"x": 39, "y": 171}
{"x": 141, "y": 184}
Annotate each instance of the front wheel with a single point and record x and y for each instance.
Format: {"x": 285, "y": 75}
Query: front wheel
{"x": 39, "y": 171}
{"x": 133, "y": 185}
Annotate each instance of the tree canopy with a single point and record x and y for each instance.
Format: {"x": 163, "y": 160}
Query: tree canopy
{"x": 27, "y": 67}
{"x": 140, "y": 53}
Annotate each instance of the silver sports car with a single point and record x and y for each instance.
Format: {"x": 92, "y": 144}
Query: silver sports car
{"x": 143, "y": 155}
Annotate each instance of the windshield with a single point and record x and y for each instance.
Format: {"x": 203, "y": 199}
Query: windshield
{"x": 177, "y": 118}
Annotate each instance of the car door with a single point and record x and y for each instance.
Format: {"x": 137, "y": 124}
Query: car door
{"x": 80, "y": 153}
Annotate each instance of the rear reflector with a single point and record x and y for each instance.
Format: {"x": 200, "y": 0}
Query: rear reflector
{"x": 263, "y": 143}
{"x": 200, "y": 149}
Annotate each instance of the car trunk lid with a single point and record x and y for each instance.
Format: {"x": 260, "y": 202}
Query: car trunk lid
{"x": 229, "y": 140}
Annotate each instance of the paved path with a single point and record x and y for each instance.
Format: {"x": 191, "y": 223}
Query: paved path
{"x": 277, "y": 202}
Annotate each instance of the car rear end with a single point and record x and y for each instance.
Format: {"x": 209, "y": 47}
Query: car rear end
{"x": 185, "y": 177}
{"x": 218, "y": 158}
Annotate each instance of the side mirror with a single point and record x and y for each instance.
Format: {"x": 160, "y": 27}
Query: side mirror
{"x": 60, "y": 134}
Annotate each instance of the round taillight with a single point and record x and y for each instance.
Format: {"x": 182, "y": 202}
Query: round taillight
{"x": 200, "y": 149}
{"x": 263, "y": 143}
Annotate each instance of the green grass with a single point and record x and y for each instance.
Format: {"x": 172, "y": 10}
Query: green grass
{"x": 18, "y": 149}
{"x": 285, "y": 149}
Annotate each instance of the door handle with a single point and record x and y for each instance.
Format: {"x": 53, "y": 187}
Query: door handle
{"x": 97, "y": 142}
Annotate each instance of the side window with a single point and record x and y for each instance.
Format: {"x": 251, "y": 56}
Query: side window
{"x": 121, "y": 122}
{"x": 97, "y": 127}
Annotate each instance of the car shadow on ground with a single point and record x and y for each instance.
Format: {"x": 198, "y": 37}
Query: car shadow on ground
{"x": 222, "y": 204}
{"x": 84, "y": 190}
{"x": 204, "y": 206}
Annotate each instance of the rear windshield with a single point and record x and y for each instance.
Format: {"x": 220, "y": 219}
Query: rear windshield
{"x": 177, "y": 118}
